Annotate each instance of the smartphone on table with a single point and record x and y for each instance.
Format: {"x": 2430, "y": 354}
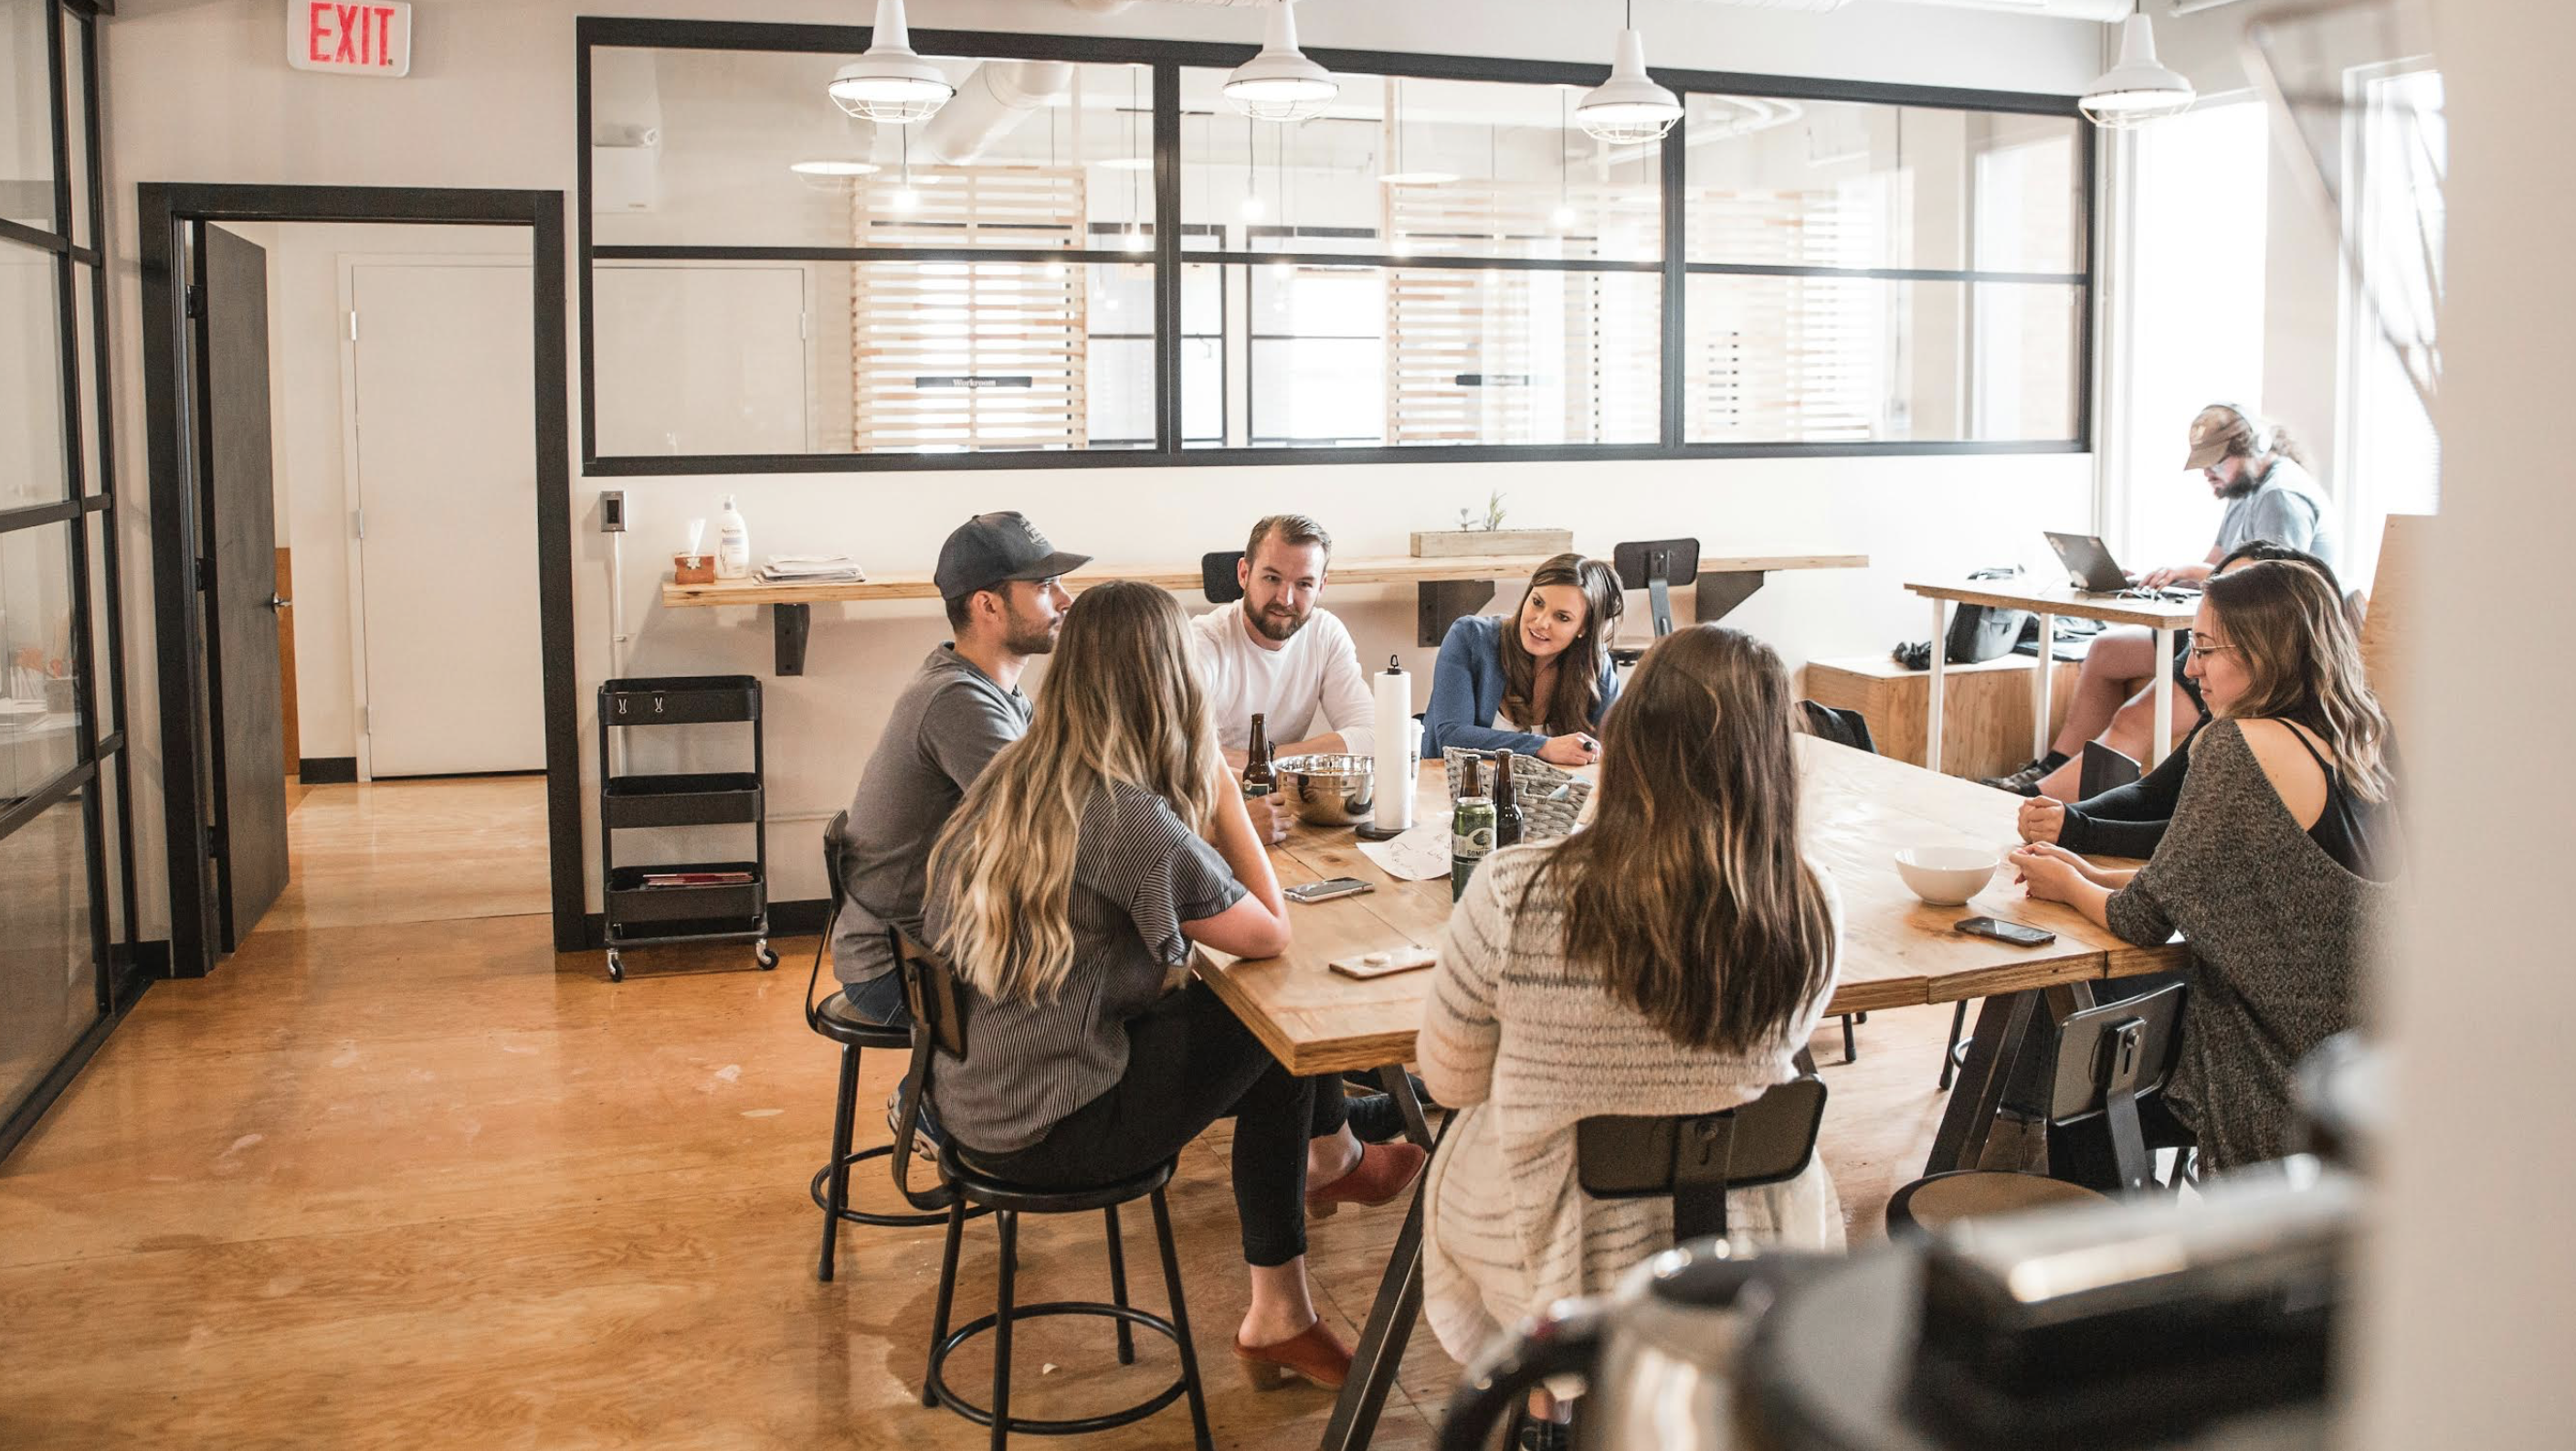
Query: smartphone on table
{"x": 1327, "y": 889}
{"x": 2003, "y": 931}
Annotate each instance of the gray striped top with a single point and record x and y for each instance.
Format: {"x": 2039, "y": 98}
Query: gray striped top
{"x": 1139, "y": 872}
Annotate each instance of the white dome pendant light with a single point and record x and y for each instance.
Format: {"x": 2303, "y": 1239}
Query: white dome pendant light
{"x": 1280, "y": 84}
{"x": 891, "y": 85}
{"x": 2139, "y": 89}
{"x": 1628, "y": 108}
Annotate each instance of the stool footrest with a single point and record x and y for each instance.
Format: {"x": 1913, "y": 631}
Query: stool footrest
{"x": 907, "y": 1220}
{"x": 938, "y": 1389}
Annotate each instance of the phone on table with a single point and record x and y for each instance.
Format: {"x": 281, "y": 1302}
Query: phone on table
{"x": 2003, "y": 931}
{"x": 1327, "y": 889}
{"x": 1407, "y": 958}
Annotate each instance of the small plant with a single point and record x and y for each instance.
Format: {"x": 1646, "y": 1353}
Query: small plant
{"x": 1493, "y": 515}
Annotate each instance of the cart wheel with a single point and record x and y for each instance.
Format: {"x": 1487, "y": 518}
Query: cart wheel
{"x": 762, "y": 954}
{"x": 616, "y": 969}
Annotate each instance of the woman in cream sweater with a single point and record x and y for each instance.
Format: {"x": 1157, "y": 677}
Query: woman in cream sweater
{"x": 1671, "y": 958}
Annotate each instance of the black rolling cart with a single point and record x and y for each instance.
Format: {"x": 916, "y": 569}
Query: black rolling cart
{"x": 683, "y": 901}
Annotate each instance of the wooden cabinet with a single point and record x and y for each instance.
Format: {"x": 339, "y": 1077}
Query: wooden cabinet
{"x": 1986, "y": 721}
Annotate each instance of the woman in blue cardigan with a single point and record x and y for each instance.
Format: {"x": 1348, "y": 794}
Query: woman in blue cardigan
{"x": 1538, "y": 683}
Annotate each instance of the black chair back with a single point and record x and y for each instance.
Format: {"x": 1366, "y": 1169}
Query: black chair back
{"x": 2104, "y": 769}
{"x": 1696, "y": 1158}
{"x": 2111, "y": 1057}
{"x": 1842, "y": 727}
{"x": 1655, "y": 566}
{"x": 836, "y": 842}
{"x": 938, "y": 1004}
{"x": 1216, "y": 576}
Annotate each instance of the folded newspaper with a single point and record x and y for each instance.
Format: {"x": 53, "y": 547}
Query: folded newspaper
{"x": 811, "y": 569}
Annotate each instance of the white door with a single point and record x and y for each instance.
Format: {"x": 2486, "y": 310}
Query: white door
{"x": 445, "y": 484}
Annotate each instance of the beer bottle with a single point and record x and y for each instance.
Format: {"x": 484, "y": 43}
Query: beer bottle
{"x": 1256, "y": 759}
{"x": 1471, "y": 828}
{"x": 1507, "y": 806}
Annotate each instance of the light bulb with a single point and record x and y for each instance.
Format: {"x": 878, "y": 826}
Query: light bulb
{"x": 1564, "y": 217}
{"x": 1136, "y": 238}
{"x": 1252, "y": 209}
{"x": 905, "y": 199}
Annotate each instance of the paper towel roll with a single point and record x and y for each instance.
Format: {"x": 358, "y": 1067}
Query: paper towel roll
{"x": 1396, "y": 748}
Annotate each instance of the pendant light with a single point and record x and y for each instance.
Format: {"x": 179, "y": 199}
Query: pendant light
{"x": 1280, "y": 84}
{"x": 1628, "y": 108}
{"x": 2139, "y": 89}
{"x": 891, "y": 85}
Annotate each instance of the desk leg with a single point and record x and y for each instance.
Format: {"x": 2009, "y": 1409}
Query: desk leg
{"x": 2162, "y": 745}
{"x": 1399, "y": 1086}
{"x": 1719, "y": 591}
{"x": 1932, "y": 725}
{"x": 1993, "y": 1047}
{"x": 1380, "y": 1353}
{"x": 792, "y": 624}
{"x": 2043, "y": 687}
{"x": 1440, "y": 603}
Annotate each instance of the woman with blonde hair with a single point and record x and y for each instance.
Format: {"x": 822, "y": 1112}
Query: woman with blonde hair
{"x": 1067, "y": 891}
{"x": 1538, "y": 683}
{"x": 2278, "y": 865}
{"x": 1671, "y": 958}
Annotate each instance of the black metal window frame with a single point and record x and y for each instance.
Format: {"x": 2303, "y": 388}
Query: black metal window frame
{"x": 1169, "y": 256}
{"x": 100, "y": 757}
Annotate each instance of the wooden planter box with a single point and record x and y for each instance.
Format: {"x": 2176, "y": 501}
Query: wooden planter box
{"x": 1451, "y": 543}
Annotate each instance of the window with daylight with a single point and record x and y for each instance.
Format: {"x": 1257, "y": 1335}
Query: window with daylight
{"x": 66, "y": 877}
{"x": 1088, "y": 251}
{"x": 2400, "y": 151}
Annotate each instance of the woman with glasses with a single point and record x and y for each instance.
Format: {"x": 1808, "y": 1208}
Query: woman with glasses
{"x": 2278, "y": 864}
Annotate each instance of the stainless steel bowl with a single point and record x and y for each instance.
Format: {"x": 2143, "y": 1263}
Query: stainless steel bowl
{"x": 1329, "y": 790}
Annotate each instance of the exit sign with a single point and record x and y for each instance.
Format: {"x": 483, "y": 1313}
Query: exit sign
{"x": 367, "y": 39}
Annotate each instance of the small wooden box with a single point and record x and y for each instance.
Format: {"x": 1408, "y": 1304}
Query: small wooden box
{"x": 1985, "y": 720}
{"x": 693, "y": 569}
{"x": 1451, "y": 543}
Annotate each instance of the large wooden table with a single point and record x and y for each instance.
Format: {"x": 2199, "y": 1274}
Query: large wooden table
{"x": 1448, "y": 587}
{"x": 2048, "y": 602}
{"x": 1897, "y": 952}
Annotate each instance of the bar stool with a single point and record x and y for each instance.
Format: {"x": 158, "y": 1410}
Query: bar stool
{"x": 835, "y": 1019}
{"x": 939, "y": 1019}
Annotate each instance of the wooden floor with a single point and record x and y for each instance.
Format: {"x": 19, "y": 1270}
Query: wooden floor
{"x": 410, "y": 1183}
{"x": 412, "y": 851}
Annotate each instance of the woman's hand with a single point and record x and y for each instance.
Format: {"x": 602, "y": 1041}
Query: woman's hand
{"x": 2052, "y": 872}
{"x": 1577, "y": 749}
{"x": 2043, "y": 819}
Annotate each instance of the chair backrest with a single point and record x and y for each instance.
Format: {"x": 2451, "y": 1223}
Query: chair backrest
{"x": 2111, "y": 1056}
{"x": 836, "y": 840}
{"x": 2104, "y": 769}
{"x": 2388, "y": 646}
{"x": 1842, "y": 727}
{"x": 1696, "y": 1158}
{"x": 938, "y": 1006}
{"x": 1655, "y": 566}
{"x": 1216, "y": 576}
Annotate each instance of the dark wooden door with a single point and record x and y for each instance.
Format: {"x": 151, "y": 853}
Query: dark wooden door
{"x": 240, "y": 530}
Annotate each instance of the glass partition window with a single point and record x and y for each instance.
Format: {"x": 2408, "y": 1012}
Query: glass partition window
{"x": 47, "y": 955}
{"x": 1441, "y": 262}
{"x": 32, "y": 462}
{"x": 26, "y": 115}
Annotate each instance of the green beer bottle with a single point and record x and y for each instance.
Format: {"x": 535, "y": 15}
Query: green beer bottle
{"x": 1471, "y": 829}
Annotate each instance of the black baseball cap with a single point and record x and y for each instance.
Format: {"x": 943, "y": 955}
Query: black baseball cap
{"x": 990, "y": 548}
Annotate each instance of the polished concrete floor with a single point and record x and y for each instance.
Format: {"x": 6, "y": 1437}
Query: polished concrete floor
{"x": 398, "y": 1175}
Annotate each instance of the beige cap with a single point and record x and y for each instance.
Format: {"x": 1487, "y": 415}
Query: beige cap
{"x": 2218, "y": 426}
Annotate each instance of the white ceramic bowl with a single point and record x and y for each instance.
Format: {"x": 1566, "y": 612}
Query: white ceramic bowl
{"x": 1947, "y": 876}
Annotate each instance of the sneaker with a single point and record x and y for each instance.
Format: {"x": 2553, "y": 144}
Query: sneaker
{"x": 926, "y": 1137}
{"x": 2024, "y": 782}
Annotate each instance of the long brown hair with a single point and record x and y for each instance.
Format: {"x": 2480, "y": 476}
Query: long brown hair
{"x": 2302, "y": 664}
{"x": 1121, "y": 704}
{"x": 1688, "y": 893}
{"x": 1578, "y": 673}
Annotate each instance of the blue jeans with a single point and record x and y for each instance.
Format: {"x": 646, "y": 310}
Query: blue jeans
{"x": 880, "y": 1000}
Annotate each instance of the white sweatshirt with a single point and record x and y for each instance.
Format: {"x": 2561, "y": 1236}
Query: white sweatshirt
{"x": 1310, "y": 685}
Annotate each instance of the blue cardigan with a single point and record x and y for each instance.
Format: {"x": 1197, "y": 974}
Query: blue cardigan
{"x": 1467, "y": 693}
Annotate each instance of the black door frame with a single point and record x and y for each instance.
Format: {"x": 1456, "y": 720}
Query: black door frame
{"x": 180, "y": 575}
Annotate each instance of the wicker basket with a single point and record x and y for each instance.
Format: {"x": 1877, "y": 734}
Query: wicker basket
{"x": 1549, "y": 799}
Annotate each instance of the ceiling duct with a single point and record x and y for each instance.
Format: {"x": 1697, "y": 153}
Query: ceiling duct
{"x": 989, "y": 105}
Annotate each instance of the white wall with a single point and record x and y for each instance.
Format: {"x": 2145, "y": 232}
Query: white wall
{"x": 197, "y": 91}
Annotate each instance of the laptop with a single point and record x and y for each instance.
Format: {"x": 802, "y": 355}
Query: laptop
{"x": 2089, "y": 566}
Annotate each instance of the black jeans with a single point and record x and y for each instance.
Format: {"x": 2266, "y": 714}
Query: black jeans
{"x": 1190, "y": 1062}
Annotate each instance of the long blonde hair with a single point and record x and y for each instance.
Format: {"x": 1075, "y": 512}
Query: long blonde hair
{"x": 2302, "y": 664}
{"x": 1688, "y": 893}
{"x": 1121, "y": 703}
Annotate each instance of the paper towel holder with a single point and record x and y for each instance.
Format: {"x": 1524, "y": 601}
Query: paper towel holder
{"x": 1369, "y": 830}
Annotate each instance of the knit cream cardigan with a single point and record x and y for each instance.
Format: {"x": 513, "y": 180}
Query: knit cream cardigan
{"x": 1522, "y": 1045}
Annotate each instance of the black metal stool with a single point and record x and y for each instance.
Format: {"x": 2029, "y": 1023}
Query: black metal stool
{"x": 835, "y": 1019}
{"x": 939, "y": 1018}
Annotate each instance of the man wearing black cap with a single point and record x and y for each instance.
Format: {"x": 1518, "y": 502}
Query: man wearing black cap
{"x": 1001, "y": 581}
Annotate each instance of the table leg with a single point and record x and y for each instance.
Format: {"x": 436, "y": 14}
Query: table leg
{"x": 1399, "y": 1086}
{"x": 1380, "y": 1353}
{"x": 1969, "y": 1118}
{"x": 2162, "y": 745}
{"x": 2042, "y": 688}
{"x": 1932, "y": 723}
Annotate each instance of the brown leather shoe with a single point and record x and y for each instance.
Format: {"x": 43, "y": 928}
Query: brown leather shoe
{"x": 1383, "y": 1172}
{"x": 1314, "y": 1353}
